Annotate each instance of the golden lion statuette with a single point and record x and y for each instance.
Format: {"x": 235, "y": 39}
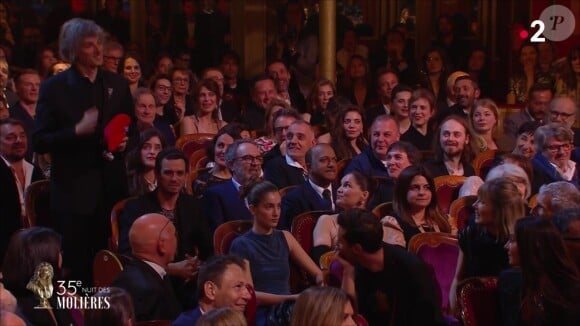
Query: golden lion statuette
{"x": 41, "y": 284}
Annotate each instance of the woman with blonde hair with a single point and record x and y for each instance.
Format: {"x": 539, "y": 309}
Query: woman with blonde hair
{"x": 323, "y": 306}
{"x": 483, "y": 120}
{"x": 499, "y": 205}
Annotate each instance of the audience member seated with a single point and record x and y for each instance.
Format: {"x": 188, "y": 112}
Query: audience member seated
{"x": 371, "y": 161}
{"x": 205, "y": 117}
{"x": 400, "y": 107}
{"x": 466, "y": 92}
{"x": 568, "y": 223}
{"x": 556, "y": 197}
{"x": 180, "y": 208}
{"x": 315, "y": 194}
{"x": 222, "y": 202}
{"x": 269, "y": 251}
{"x": 267, "y": 142}
{"x": 388, "y": 282}
{"x": 352, "y": 193}
{"x": 453, "y": 149}
{"x": 553, "y": 152}
{"x": 323, "y": 306}
{"x": 350, "y": 47}
{"x": 422, "y": 108}
{"x": 478, "y": 66}
{"x": 130, "y": 68}
{"x": 335, "y": 105}
{"x": 222, "y": 283}
{"x": 290, "y": 169}
{"x": 16, "y": 174}
{"x": 387, "y": 80}
{"x": 113, "y": 52}
{"x": 217, "y": 153}
{"x": 320, "y": 94}
{"x": 484, "y": 119}
{"x": 451, "y": 98}
{"x": 416, "y": 208}
{"x": 563, "y": 110}
{"x": 348, "y": 137}
{"x": 549, "y": 280}
{"x": 27, "y": 250}
{"x": 524, "y": 141}
{"x": 435, "y": 67}
{"x": 227, "y": 107}
{"x": 222, "y": 316}
{"x": 525, "y": 76}
{"x": 162, "y": 90}
{"x": 153, "y": 240}
{"x": 499, "y": 204}
{"x": 356, "y": 84}
{"x": 140, "y": 162}
{"x": 281, "y": 122}
{"x": 181, "y": 102}
{"x": 234, "y": 85}
{"x": 146, "y": 117}
{"x": 263, "y": 91}
{"x": 400, "y": 155}
{"x": 27, "y": 84}
{"x": 288, "y": 90}
{"x": 121, "y": 311}
{"x": 535, "y": 110}
{"x": 567, "y": 83}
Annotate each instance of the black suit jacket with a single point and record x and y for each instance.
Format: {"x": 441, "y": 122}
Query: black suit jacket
{"x": 253, "y": 117}
{"x": 302, "y": 199}
{"x": 80, "y": 176}
{"x": 153, "y": 297}
{"x": 17, "y": 112}
{"x": 191, "y": 225}
{"x": 281, "y": 174}
{"x": 10, "y": 211}
{"x": 373, "y": 112}
{"x": 222, "y": 203}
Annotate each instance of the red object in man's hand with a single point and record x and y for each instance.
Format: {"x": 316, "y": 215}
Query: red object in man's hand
{"x": 116, "y": 131}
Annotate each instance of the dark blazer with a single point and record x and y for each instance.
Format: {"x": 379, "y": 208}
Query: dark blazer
{"x": 253, "y": 117}
{"x": 17, "y": 112}
{"x": 188, "y": 318}
{"x": 192, "y": 227}
{"x": 367, "y": 164}
{"x": 422, "y": 142}
{"x": 438, "y": 169}
{"x": 545, "y": 173}
{"x": 302, "y": 199}
{"x": 153, "y": 297}
{"x": 372, "y": 113}
{"x": 281, "y": 174}
{"x": 230, "y": 110}
{"x": 79, "y": 173}
{"x": 222, "y": 203}
{"x": 10, "y": 211}
{"x": 456, "y": 109}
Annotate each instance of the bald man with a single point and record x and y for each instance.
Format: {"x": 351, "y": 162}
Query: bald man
{"x": 154, "y": 243}
{"x": 10, "y": 318}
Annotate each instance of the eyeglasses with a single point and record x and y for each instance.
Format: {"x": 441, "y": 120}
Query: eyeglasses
{"x": 557, "y": 148}
{"x": 281, "y": 129}
{"x": 164, "y": 88}
{"x": 116, "y": 59}
{"x": 250, "y": 159}
{"x": 564, "y": 115}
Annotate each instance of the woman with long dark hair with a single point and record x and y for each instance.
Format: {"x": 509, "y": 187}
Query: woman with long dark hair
{"x": 205, "y": 118}
{"x": 348, "y": 138}
{"x": 141, "y": 162}
{"x": 415, "y": 205}
{"x": 569, "y": 82}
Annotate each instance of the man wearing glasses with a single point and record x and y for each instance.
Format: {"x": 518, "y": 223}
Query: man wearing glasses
{"x": 223, "y": 202}
{"x": 113, "y": 53}
{"x": 552, "y": 161}
{"x": 563, "y": 110}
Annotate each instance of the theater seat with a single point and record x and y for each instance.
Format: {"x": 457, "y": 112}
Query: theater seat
{"x": 225, "y": 234}
{"x": 447, "y": 189}
{"x": 106, "y": 268}
{"x": 477, "y": 301}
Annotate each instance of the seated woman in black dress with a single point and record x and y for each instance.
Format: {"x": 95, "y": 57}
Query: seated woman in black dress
{"x": 219, "y": 172}
{"x": 544, "y": 286}
{"x": 415, "y": 206}
{"x": 141, "y": 162}
{"x": 422, "y": 107}
{"x": 269, "y": 251}
{"x": 499, "y": 204}
{"x": 28, "y": 248}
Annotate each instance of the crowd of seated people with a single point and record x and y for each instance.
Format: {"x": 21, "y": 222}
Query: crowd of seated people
{"x": 276, "y": 146}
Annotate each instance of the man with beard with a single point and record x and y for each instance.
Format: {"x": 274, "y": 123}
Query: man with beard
{"x": 453, "y": 150}
{"x": 263, "y": 91}
{"x": 372, "y": 161}
{"x": 222, "y": 202}
{"x": 315, "y": 194}
{"x": 466, "y": 92}
{"x": 538, "y": 100}
{"x": 16, "y": 174}
{"x": 291, "y": 169}
{"x": 287, "y": 89}
{"x": 386, "y": 282}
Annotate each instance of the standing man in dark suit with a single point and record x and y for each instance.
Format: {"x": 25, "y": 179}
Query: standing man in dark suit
{"x": 73, "y": 109}
{"x": 222, "y": 202}
{"x": 291, "y": 169}
{"x": 16, "y": 174}
{"x": 317, "y": 193}
{"x": 154, "y": 243}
